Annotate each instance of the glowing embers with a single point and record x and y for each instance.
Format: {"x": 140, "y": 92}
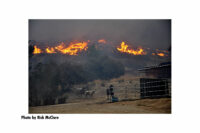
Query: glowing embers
{"x": 124, "y": 48}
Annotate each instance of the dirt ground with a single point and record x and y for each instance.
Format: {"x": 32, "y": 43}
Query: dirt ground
{"x": 125, "y": 88}
{"x": 101, "y": 105}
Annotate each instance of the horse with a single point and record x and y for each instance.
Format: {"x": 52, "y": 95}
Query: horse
{"x": 89, "y": 93}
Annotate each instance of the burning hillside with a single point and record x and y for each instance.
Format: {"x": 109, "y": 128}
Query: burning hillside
{"x": 72, "y": 61}
{"x": 75, "y": 47}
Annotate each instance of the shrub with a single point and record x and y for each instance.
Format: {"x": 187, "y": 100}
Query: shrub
{"x": 61, "y": 100}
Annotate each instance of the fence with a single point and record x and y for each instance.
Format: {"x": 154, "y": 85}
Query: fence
{"x": 153, "y": 88}
{"x": 144, "y": 88}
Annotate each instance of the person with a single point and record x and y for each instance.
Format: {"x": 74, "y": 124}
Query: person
{"x": 111, "y": 91}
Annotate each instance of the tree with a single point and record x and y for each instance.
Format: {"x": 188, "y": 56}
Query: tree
{"x": 30, "y": 50}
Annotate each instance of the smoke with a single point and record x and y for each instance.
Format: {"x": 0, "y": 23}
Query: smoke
{"x": 147, "y": 33}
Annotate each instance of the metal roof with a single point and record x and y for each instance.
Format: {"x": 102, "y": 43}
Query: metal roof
{"x": 154, "y": 67}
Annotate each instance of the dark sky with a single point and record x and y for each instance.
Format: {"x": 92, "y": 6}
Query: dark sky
{"x": 148, "y": 33}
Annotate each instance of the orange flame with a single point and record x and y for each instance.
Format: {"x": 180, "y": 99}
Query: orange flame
{"x": 102, "y": 41}
{"x": 37, "y": 50}
{"x": 73, "y": 48}
{"x": 50, "y": 50}
{"x": 124, "y": 49}
{"x": 160, "y": 54}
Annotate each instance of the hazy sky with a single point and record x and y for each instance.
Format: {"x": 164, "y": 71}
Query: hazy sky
{"x": 149, "y": 33}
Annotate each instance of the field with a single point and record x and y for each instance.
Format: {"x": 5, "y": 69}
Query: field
{"x": 162, "y": 105}
{"x": 126, "y": 88}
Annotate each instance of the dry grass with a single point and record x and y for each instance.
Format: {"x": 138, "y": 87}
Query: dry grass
{"x": 124, "y": 88}
{"x": 162, "y": 105}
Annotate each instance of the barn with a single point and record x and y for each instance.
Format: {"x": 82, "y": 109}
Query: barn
{"x": 156, "y": 81}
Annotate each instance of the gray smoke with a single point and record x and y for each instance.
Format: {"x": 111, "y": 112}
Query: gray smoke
{"x": 147, "y": 33}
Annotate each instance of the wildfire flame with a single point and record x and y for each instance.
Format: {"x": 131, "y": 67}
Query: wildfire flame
{"x": 75, "y": 47}
{"x": 37, "y": 50}
{"x": 102, "y": 41}
{"x": 160, "y": 54}
{"x": 124, "y": 48}
{"x": 50, "y": 50}
{"x": 72, "y": 49}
